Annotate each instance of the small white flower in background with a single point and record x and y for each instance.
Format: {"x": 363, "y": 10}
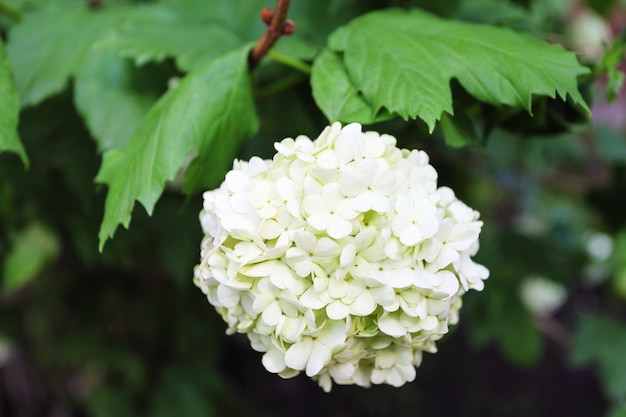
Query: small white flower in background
{"x": 340, "y": 257}
{"x": 542, "y": 296}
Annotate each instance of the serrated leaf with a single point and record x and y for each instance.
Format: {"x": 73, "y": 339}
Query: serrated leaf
{"x": 211, "y": 110}
{"x": 154, "y": 32}
{"x": 106, "y": 94}
{"x": 9, "y": 110}
{"x": 335, "y": 94}
{"x": 47, "y": 47}
{"x": 404, "y": 60}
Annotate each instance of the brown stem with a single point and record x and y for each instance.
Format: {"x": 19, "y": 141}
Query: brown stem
{"x": 554, "y": 330}
{"x": 275, "y": 28}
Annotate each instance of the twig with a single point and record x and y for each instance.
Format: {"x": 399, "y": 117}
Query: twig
{"x": 277, "y": 25}
{"x": 555, "y": 331}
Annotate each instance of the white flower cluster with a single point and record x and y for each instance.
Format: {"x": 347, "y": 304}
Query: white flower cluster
{"x": 340, "y": 257}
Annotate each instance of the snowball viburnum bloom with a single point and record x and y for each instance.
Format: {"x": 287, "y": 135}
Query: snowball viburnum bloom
{"x": 340, "y": 257}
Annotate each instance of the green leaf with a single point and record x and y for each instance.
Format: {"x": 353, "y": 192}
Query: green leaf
{"x": 610, "y": 143}
{"x": 403, "y": 61}
{"x": 618, "y": 411}
{"x": 610, "y": 63}
{"x": 108, "y": 94}
{"x": 182, "y": 390}
{"x": 9, "y": 110}
{"x": 601, "y": 341}
{"x": 459, "y": 130}
{"x": 209, "y": 113}
{"x": 154, "y": 32}
{"x": 520, "y": 341}
{"x": 334, "y": 92}
{"x": 614, "y": 84}
{"x": 32, "y": 249}
{"x": 602, "y": 7}
{"x": 47, "y": 47}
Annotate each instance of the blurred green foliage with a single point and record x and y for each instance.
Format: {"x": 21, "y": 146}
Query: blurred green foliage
{"x": 125, "y": 333}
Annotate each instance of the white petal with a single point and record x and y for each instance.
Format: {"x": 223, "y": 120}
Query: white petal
{"x": 338, "y": 227}
{"x": 294, "y": 283}
{"x": 429, "y": 226}
{"x": 262, "y": 301}
{"x": 391, "y": 325}
{"x": 430, "y": 323}
{"x": 267, "y": 211}
{"x": 347, "y": 255}
{"x": 270, "y": 229}
{"x": 411, "y": 236}
{"x": 363, "y": 202}
{"x": 384, "y": 295}
{"x": 327, "y": 248}
{"x": 399, "y": 278}
{"x": 237, "y": 181}
{"x": 395, "y": 378}
{"x": 310, "y": 299}
{"x": 338, "y": 289}
{"x": 446, "y": 257}
{"x": 291, "y": 329}
{"x": 374, "y": 147}
{"x": 320, "y": 356}
{"x": 352, "y": 182}
{"x": 319, "y": 221}
{"x": 363, "y": 305}
{"x": 272, "y": 314}
{"x": 305, "y": 241}
{"x": 342, "y": 371}
{"x": 449, "y": 283}
{"x": 274, "y": 361}
{"x": 380, "y": 203}
{"x": 297, "y": 356}
{"x": 386, "y": 359}
{"x": 337, "y": 310}
{"x": 227, "y": 297}
{"x": 303, "y": 268}
{"x": 333, "y": 333}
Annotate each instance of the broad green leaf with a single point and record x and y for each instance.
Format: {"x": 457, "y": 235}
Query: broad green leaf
{"x": 334, "y": 92}
{"x": 107, "y": 94}
{"x": 32, "y": 249}
{"x": 47, "y": 47}
{"x": 403, "y": 61}
{"x": 209, "y": 114}
{"x": 9, "y": 110}
{"x": 241, "y": 16}
{"x": 495, "y": 12}
{"x": 153, "y": 33}
{"x": 601, "y": 341}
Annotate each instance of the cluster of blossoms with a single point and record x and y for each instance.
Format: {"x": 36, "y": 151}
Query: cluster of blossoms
{"x": 340, "y": 257}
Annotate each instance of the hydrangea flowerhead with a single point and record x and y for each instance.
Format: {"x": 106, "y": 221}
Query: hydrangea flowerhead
{"x": 340, "y": 257}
